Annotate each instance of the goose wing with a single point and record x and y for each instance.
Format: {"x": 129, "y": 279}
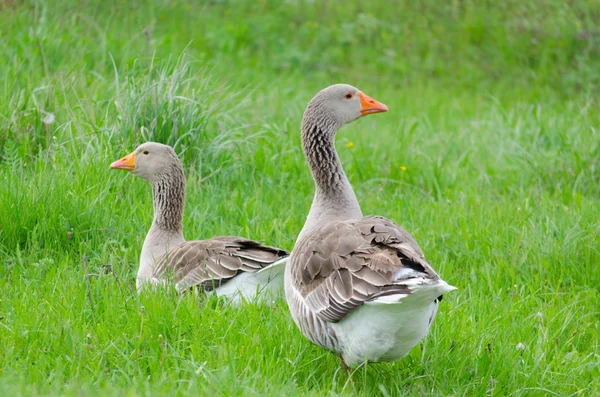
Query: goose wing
{"x": 207, "y": 264}
{"x": 347, "y": 263}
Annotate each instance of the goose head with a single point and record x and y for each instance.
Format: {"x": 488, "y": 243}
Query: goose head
{"x": 151, "y": 161}
{"x": 340, "y": 104}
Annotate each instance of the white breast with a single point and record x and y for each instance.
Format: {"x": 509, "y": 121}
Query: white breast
{"x": 156, "y": 244}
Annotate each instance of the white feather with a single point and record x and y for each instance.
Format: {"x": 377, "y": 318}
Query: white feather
{"x": 387, "y": 328}
{"x": 265, "y": 283}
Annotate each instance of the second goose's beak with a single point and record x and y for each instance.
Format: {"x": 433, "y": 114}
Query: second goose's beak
{"x": 127, "y": 163}
{"x": 369, "y": 105}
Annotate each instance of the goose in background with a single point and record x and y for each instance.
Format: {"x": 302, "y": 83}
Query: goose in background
{"x": 229, "y": 266}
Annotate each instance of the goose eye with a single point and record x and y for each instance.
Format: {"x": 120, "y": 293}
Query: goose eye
{"x": 348, "y": 95}
{"x": 146, "y": 152}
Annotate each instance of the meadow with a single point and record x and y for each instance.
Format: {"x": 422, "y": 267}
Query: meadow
{"x": 489, "y": 156}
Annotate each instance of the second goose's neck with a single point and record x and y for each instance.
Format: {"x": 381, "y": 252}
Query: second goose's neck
{"x": 334, "y": 197}
{"x": 168, "y": 195}
{"x": 166, "y": 232}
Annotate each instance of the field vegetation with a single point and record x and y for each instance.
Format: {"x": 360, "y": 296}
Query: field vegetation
{"x": 489, "y": 156}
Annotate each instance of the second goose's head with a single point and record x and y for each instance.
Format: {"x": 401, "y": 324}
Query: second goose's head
{"x": 340, "y": 104}
{"x": 151, "y": 161}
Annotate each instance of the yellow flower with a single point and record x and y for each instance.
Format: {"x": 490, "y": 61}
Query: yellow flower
{"x": 403, "y": 167}
{"x": 350, "y": 145}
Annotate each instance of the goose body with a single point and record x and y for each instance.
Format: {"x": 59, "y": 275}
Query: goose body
{"x": 230, "y": 266}
{"x": 359, "y": 286}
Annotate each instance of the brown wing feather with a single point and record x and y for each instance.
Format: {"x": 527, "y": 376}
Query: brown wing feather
{"x": 208, "y": 264}
{"x": 346, "y": 263}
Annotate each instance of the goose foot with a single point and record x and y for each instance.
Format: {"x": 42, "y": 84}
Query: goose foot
{"x": 345, "y": 366}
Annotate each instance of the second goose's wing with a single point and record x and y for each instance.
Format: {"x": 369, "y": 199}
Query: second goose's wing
{"x": 208, "y": 264}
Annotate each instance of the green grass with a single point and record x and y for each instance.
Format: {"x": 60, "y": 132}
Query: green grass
{"x": 489, "y": 155}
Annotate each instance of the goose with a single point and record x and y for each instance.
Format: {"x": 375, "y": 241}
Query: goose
{"x": 230, "y": 266}
{"x": 356, "y": 285}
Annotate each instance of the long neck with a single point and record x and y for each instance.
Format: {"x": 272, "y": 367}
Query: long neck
{"x": 334, "y": 197}
{"x": 168, "y": 194}
{"x": 166, "y": 232}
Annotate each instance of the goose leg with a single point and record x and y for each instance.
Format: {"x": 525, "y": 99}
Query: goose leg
{"x": 345, "y": 366}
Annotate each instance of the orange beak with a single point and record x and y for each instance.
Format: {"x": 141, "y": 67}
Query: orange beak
{"x": 127, "y": 163}
{"x": 370, "y": 105}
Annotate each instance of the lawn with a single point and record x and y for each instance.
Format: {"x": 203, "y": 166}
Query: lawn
{"x": 489, "y": 156}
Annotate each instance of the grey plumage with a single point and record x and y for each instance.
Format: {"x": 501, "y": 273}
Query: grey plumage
{"x": 168, "y": 195}
{"x": 166, "y": 256}
{"x": 207, "y": 264}
{"x": 347, "y": 274}
{"x": 346, "y": 263}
